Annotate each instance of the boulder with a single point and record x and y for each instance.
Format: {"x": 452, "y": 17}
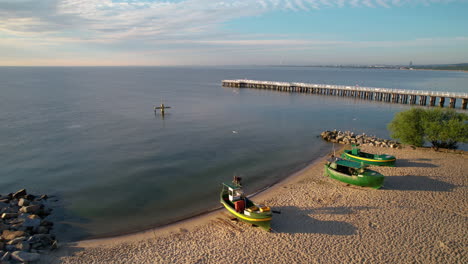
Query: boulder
{"x": 16, "y": 240}
{"x": 16, "y": 220}
{"x": 42, "y": 239}
{"x": 23, "y": 202}
{"x": 46, "y": 223}
{"x": 33, "y": 216}
{"x": 25, "y": 256}
{"x": 11, "y": 247}
{"x": 5, "y": 256}
{"x": 36, "y": 246}
{"x": 19, "y": 194}
{"x": 9, "y": 215}
{"x": 33, "y": 209}
{"x": 23, "y": 246}
{"x": 29, "y": 197}
{"x": 3, "y": 226}
{"x": 9, "y": 235}
{"x": 32, "y": 222}
{"x": 41, "y": 230}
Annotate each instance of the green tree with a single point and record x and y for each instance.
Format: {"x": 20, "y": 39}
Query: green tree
{"x": 443, "y": 128}
{"x": 407, "y": 127}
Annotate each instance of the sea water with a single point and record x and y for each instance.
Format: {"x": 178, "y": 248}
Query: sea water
{"x": 89, "y": 135}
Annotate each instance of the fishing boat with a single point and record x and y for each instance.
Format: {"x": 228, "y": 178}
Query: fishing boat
{"x": 352, "y": 172}
{"x": 233, "y": 199}
{"x": 355, "y": 154}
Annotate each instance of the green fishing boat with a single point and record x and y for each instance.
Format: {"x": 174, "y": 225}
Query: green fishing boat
{"x": 355, "y": 154}
{"x": 354, "y": 173}
{"x": 233, "y": 199}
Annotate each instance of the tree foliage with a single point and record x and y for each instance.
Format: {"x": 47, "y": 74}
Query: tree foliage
{"x": 443, "y": 128}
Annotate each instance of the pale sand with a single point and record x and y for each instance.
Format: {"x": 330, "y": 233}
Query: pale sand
{"x": 420, "y": 216}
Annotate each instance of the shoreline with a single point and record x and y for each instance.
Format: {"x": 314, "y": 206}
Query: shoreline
{"x": 199, "y": 218}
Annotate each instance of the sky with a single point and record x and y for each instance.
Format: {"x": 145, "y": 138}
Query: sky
{"x": 232, "y": 32}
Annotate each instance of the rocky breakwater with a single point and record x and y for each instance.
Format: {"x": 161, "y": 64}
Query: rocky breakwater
{"x": 348, "y": 137}
{"x": 25, "y": 230}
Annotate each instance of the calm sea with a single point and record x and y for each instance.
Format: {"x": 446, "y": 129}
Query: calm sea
{"x": 89, "y": 135}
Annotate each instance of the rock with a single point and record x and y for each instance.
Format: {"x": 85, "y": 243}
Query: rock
{"x": 33, "y": 216}
{"x": 5, "y": 200}
{"x": 43, "y": 239}
{"x": 36, "y": 246}
{"x": 19, "y": 194}
{"x": 41, "y": 230}
{"x": 16, "y": 240}
{"x": 32, "y": 222}
{"x": 9, "y": 235}
{"x": 45, "y": 212}
{"x": 4, "y": 204}
{"x": 25, "y": 256}
{"x": 9, "y": 215}
{"x": 43, "y": 197}
{"x": 23, "y": 202}
{"x": 23, "y": 246}
{"x": 3, "y": 226}
{"x": 29, "y": 197}
{"x": 5, "y": 257}
{"x": 33, "y": 209}
{"x": 54, "y": 245}
{"x": 16, "y": 220}
{"x": 46, "y": 223}
{"x": 11, "y": 247}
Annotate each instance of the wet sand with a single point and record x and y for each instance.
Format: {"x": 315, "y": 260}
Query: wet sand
{"x": 420, "y": 216}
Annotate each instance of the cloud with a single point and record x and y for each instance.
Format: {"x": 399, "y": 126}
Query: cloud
{"x": 89, "y": 31}
{"x": 107, "y": 20}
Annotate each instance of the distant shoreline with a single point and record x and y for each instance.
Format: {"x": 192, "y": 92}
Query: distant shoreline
{"x": 372, "y": 68}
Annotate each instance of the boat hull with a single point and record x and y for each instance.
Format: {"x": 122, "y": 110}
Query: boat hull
{"x": 373, "y": 181}
{"x": 380, "y": 161}
{"x": 262, "y": 221}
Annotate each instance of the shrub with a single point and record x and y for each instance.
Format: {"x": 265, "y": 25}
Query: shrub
{"x": 443, "y": 128}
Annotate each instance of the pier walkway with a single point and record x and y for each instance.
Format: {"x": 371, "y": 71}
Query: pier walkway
{"x": 401, "y": 96}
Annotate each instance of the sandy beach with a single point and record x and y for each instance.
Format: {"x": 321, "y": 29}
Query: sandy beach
{"x": 420, "y": 216}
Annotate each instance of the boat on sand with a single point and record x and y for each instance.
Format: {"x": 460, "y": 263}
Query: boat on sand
{"x": 355, "y": 154}
{"x": 354, "y": 173}
{"x": 233, "y": 199}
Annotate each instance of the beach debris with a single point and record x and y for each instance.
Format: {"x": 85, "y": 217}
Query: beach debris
{"x": 348, "y": 137}
{"x": 24, "y": 230}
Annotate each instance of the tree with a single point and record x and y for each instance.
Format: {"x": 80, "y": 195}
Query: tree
{"x": 442, "y": 128}
{"x": 407, "y": 126}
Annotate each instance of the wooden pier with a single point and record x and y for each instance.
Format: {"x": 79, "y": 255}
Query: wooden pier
{"x": 413, "y": 97}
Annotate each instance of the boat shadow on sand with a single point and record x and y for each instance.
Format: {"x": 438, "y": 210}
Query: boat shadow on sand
{"x": 416, "y": 183}
{"x": 412, "y": 163}
{"x": 300, "y": 220}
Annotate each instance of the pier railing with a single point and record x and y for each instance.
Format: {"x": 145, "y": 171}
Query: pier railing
{"x": 370, "y": 93}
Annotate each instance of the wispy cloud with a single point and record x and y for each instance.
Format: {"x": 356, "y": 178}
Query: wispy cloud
{"x": 107, "y": 20}
{"x": 144, "y": 31}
